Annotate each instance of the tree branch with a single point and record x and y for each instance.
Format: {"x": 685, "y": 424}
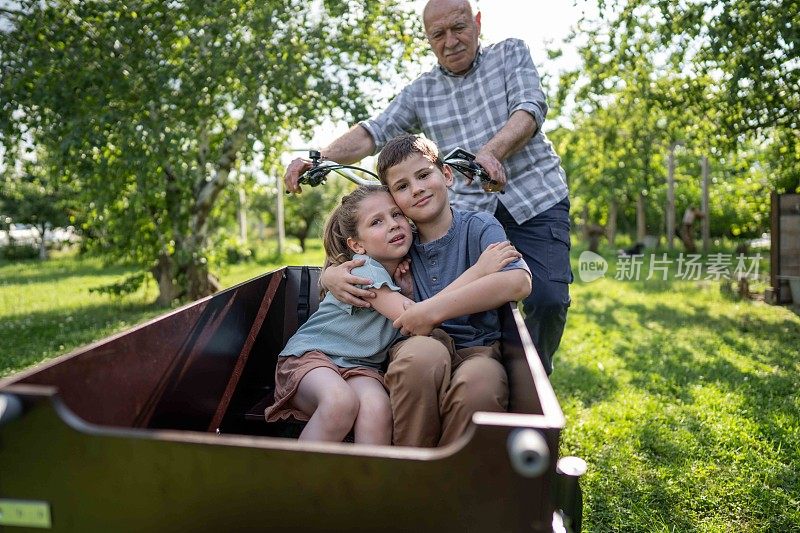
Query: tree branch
{"x": 210, "y": 191}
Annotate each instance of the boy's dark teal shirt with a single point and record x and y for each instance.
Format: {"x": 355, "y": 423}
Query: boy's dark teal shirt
{"x": 436, "y": 264}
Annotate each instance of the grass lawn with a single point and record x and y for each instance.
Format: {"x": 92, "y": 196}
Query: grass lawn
{"x": 683, "y": 401}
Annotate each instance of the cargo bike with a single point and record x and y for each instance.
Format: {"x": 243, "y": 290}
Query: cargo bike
{"x": 161, "y": 428}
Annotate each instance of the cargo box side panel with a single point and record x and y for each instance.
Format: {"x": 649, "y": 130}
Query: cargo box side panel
{"x": 523, "y": 396}
{"x": 170, "y": 372}
{"x": 189, "y": 396}
{"x": 101, "y": 480}
{"x": 530, "y": 391}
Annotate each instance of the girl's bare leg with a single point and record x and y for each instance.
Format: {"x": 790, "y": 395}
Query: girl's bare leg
{"x": 330, "y": 402}
{"x": 374, "y": 420}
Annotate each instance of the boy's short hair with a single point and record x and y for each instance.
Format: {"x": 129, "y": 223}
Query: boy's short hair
{"x": 401, "y": 147}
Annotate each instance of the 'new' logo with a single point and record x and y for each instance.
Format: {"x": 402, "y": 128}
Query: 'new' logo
{"x": 591, "y": 266}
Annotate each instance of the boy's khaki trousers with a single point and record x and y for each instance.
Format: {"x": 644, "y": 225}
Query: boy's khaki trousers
{"x": 434, "y": 389}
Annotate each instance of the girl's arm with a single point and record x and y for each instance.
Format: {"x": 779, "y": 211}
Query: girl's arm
{"x": 389, "y": 303}
{"x": 493, "y": 259}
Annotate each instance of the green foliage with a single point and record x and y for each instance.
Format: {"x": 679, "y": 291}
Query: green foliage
{"x": 718, "y": 79}
{"x": 233, "y": 252}
{"x": 746, "y": 50}
{"x": 304, "y": 214}
{"x": 33, "y": 193}
{"x": 149, "y": 107}
{"x": 127, "y": 286}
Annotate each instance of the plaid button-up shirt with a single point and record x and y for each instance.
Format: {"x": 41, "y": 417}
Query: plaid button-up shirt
{"x": 467, "y": 111}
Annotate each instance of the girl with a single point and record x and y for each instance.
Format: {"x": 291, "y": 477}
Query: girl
{"x": 329, "y": 373}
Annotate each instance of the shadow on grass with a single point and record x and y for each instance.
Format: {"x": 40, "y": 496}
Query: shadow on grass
{"x": 659, "y": 364}
{"x": 28, "y": 338}
{"x": 632, "y": 495}
{"x": 58, "y": 270}
{"x": 586, "y": 384}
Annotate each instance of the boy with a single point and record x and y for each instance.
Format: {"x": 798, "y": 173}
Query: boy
{"x": 437, "y": 382}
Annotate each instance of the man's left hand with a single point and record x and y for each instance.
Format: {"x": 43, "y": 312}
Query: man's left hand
{"x": 495, "y": 169}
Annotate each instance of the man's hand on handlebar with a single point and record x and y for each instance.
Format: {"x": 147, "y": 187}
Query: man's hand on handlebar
{"x": 495, "y": 169}
{"x": 293, "y": 172}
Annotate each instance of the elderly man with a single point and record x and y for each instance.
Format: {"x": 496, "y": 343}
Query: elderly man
{"x": 488, "y": 100}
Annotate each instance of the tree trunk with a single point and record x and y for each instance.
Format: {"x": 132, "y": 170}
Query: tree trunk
{"x": 670, "y": 207}
{"x": 279, "y": 219}
{"x": 199, "y": 281}
{"x": 242, "y": 215}
{"x": 301, "y": 236}
{"x": 706, "y": 231}
{"x": 585, "y": 228}
{"x": 611, "y": 226}
{"x": 641, "y": 226}
{"x": 42, "y": 243}
{"x": 164, "y": 273}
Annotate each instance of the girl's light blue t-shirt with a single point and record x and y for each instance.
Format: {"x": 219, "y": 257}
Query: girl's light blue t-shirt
{"x": 350, "y": 336}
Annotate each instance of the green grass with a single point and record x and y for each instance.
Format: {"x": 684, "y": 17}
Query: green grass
{"x": 46, "y": 308}
{"x": 683, "y": 400}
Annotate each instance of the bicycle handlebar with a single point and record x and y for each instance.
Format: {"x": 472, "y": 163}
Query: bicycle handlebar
{"x": 459, "y": 159}
{"x": 320, "y": 169}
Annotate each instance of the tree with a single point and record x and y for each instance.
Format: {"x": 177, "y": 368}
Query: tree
{"x": 738, "y": 57}
{"x": 150, "y": 106}
{"x": 304, "y": 213}
{"x": 622, "y": 128}
{"x": 33, "y": 194}
{"x": 661, "y": 73}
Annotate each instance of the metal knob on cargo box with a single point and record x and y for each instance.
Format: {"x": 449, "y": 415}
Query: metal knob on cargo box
{"x": 528, "y": 452}
{"x": 10, "y": 408}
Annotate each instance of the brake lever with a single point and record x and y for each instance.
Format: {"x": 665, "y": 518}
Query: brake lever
{"x": 473, "y": 170}
{"x": 314, "y": 176}
{"x": 464, "y": 161}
